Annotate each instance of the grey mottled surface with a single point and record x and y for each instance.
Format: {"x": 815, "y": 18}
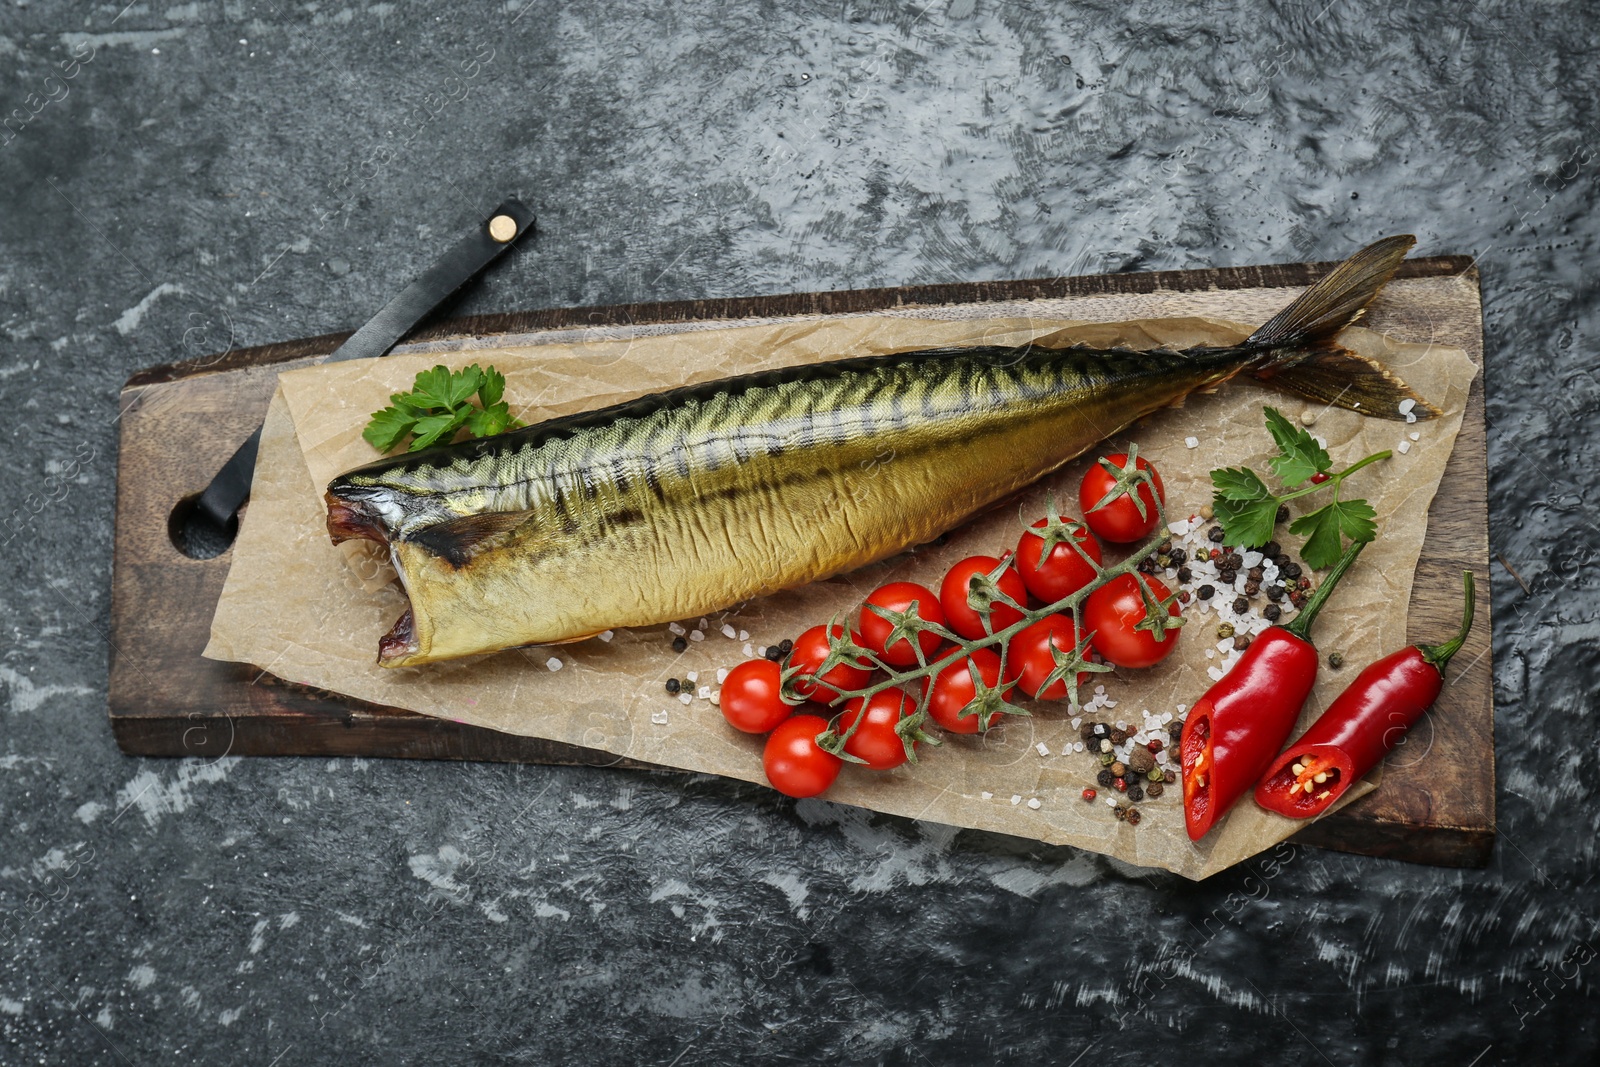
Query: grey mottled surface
{"x": 240, "y": 173}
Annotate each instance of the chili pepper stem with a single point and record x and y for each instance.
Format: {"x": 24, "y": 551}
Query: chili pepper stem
{"x": 1301, "y": 624}
{"x": 1439, "y": 655}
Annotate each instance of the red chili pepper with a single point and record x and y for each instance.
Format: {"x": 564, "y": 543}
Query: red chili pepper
{"x": 1360, "y": 727}
{"x": 1233, "y": 732}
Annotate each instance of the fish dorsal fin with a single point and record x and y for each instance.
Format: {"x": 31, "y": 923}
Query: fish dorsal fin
{"x": 457, "y": 540}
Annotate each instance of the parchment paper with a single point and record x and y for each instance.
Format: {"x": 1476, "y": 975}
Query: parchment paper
{"x": 308, "y": 612}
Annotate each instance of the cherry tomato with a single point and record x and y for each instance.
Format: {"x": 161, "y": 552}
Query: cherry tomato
{"x": 875, "y": 740}
{"x": 1119, "y": 521}
{"x": 959, "y": 615}
{"x": 953, "y": 690}
{"x": 752, "y": 698}
{"x": 794, "y": 764}
{"x": 810, "y": 649}
{"x": 1114, "y": 611}
{"x": 898, "y": 597}
{"x": 1030, "y": 661}
{"x": 1063, "y": 572}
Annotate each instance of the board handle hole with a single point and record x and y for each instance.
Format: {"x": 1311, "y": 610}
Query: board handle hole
{"x": 195, "y": 533}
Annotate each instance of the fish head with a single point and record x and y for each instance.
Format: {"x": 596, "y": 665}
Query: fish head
{"x": 357, "y": 512}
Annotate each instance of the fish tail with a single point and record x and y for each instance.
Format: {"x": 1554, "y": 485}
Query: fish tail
{"x": 1298, "y": 347}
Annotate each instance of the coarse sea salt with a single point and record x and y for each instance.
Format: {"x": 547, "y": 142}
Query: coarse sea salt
{"x": 1403, "y": 447}
{"x": 685, "y": 698}
{"x": 1016, "y": 798}
{"x": 704, "y": 692}
{"x": 696, "y": 635}
{"x": 744, "y": 635}
{"x": 1033, "y": 802}
{"x": 606, "y": 635}
{"x": 986, "y": 795}
{"x": 722, "y": 675}
{"x": 748, "y": 650}
{"x": 1215, "y": 673}
{"x": 704, "y": 624}
{"x": 553, "y": 663}
{"x": 692, "y": 676}
{"x": 676, "y": 629}
{"x": 1192, "y": 442}
{"x": 729, "y": 632}
{"x": 1044, "y": 749}
{"x": 1414, "y": 435}
{"x": 659, "y": 717}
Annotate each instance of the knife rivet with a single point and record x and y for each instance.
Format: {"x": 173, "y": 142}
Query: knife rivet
{"x": 502, "y": 228}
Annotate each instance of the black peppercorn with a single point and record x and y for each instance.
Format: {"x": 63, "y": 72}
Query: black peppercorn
{"x": 1283, "y": 514}
{"x": 1272, "y": 612}
{"x": 774, "y": 653}
{"x": 673, "y": 685}
{"x": 1274, "y": 593}
{"x": 1185, "y": 574}
{"x": 1179, "y": 556}
{"x": 1252, "y": 587}
{"x": 1135, "y": 793}
{"x": 1240, "y": 605}
{"x": 1290, "y": 570}
{"x": 1215, "y": 534}
{"x": 1106, "y": 778}
{"x": 786, "y": 646}
{"x": 1271, "y": 549}
{"x": 1206, "y": 592}
{"x": 679, "y": 643}
{"x": 1118, "y": 735}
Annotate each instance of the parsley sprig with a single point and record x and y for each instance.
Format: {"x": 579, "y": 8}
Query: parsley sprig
{"x": 1247, "y": 508}
{"x": 440, "y": 404}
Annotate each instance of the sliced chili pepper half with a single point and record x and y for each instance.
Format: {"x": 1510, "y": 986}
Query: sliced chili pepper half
{"x": 1360, "y": 727}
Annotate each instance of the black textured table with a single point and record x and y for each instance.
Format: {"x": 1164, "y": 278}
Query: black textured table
{"x": 185, "y": 179}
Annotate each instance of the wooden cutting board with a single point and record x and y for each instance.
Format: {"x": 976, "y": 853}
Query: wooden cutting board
{"x": 179, "y": 421}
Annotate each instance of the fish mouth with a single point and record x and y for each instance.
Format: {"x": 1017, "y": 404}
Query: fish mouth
{"x": 354, "y": 520}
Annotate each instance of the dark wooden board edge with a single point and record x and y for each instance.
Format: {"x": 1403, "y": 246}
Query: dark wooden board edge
{"x": 840, "y": 302}
{"x": 308, "y": 722}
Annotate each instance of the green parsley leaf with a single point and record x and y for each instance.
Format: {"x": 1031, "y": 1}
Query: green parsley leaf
{"x": 439, "y": 404}
{"x": 388, "y": 427}
{"x": 432, "y": 429}
{"x": 492, "y": 389}
{"x": 1244, "y": 507}
{"x": 1328, "y": 525}
{"x": 486, "y": 422}
{"x": 1301, "y": 456}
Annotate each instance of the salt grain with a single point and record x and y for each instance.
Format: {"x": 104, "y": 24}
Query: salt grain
{"x": 659, "y": 717}
{"x": 704, "y": 692}
{"x": 1192, "y": 442}
{"x": 1033, "y": 802}
{"x": 1016, "y": 798}
{"x": 729, "y": 632}
{"x": 1215, "y": 673}
{"x": 1044, "y": 750}
{"x": 704, "y": 624}
{"x": 676, "y": 629}
{"x": 748, "y": 650}
{"x": 1414, "y": 435}
{"x": 606, "y": 635}
{"x": 685, "y": 698}
{"x": 744, "y": 635}
{"x": 696, "y": 635}
{"x": 1404, "y": 447}
{"x": 553, "y": 663}
{"x": 986, "y": 795}
{"x": 722, "y": 675}
{"x": 692, "y": 676}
